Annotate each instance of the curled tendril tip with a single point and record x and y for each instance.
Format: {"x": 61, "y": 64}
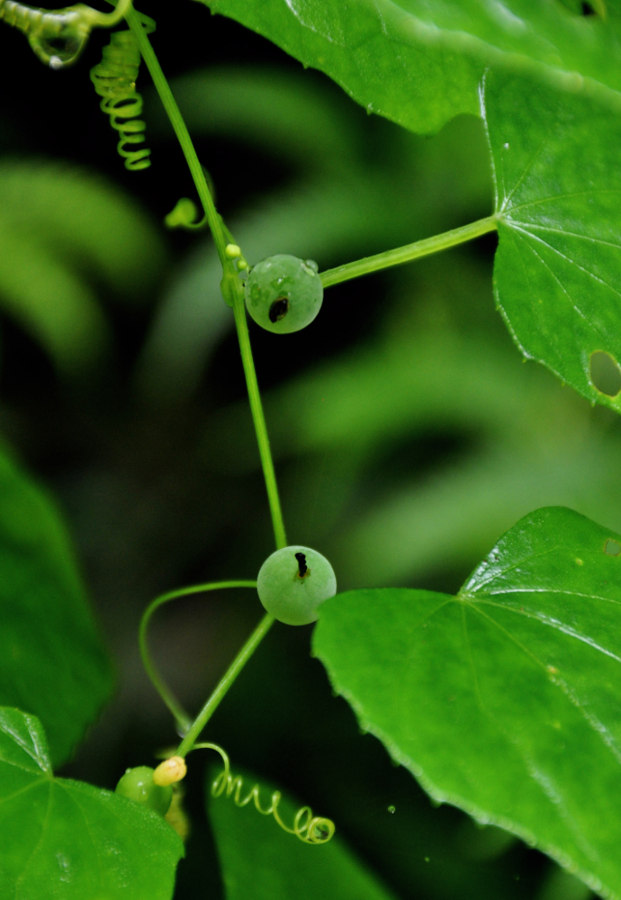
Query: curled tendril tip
{"x": 306, "y": 827}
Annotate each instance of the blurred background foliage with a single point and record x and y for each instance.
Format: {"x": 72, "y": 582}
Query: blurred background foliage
{"x": 408, "y": 433}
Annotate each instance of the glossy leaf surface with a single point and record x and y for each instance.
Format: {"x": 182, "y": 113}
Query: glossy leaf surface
{"x": 420, "y": 63}
{"x": 261, "y": 861}
{"x": 54, "y": 664}
{"x": 509, "y": 699}
{"x": 67, "y": 840}
{"x": 558, "y": 265}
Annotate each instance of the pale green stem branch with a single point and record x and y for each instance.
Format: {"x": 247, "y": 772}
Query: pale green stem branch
{"x": 409, "y": 252}
{"x": 223, "y": 686}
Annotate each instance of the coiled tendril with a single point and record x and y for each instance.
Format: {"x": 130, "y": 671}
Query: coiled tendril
{"x": 58, "y": 36}
{"x": 115, "y": 82}
{"x": 308, "y": 828}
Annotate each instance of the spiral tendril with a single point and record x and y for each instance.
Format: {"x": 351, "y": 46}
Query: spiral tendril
{"x": 58, "y": 36}
{"x": 114, "y": 79}
{"x": 306, "y": 827}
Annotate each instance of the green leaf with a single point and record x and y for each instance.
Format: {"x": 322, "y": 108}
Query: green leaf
{"x": 505, "y": 699}
{"x": 262, "y": 861}
{"x": 53, "y": 662}
{"x": 67, "y": 840}
{"x": 558, "y": 265}
{"x": 420, "y": 63}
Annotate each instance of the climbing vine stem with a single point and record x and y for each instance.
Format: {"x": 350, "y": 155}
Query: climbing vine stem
{"x": 232, "y": 289}
{"x": 223, "y": 686}
{"x": 232, "y": 292}
{"x": 191, "y": 728}
{"x": 256, "y": 408}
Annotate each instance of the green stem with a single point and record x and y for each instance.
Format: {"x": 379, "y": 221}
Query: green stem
{"x": 233, "y": 293}
{"x": 231, "y": 286}
{"x": 409, "y": 252}
{"x": 258, "y": 418}
{"x": 224, "y": 685}
{"x": 95, "y": 18}
{"x": 183, "y": 135}
{"x": 181, "y": 716}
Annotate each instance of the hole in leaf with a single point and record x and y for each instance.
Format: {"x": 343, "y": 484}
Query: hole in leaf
{"x": 612, "y": 547}
{"x": 605, "y": 373}
{"x": 278, "y": 309}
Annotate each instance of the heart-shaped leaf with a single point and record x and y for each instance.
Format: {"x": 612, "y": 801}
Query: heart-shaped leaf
{"x": 557, "y": 270}
{"x": 504, "y": 700}
{"x": 67, "y": 840}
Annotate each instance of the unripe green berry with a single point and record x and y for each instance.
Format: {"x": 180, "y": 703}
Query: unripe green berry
{"x": 293, "y": 583}
{"x": 283, "y": 293}
{"x": 138, "y": 785}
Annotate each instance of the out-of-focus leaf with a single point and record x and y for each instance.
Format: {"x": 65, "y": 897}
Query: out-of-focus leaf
{"x": 419, "y": 63}
{"x": 284, "y": 115}
{"x": 59, "y": 227}
{"x": 558, "y": 265}
{"x": 53, "y": 660}
{"x": 67, "y": 840}
{"x": 51, "y": 301}
{"x": 442, "y": 521}
{"x": 84, "y": 220}
{"x": 508, "y": 701}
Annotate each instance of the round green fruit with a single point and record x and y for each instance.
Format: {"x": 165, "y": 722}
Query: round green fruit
{"x": 293, "y": 583}
{"x": 283, "y": 293}
{"x": 138, "y": 785}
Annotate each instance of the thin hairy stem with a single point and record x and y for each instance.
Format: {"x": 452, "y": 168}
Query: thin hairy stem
{"x": 409, "y": 252}
{"x": 232, "y": 292}
{"x": 223, "y": 686}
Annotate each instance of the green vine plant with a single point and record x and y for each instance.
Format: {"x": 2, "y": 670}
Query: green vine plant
{"x": 542, "y": 608}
